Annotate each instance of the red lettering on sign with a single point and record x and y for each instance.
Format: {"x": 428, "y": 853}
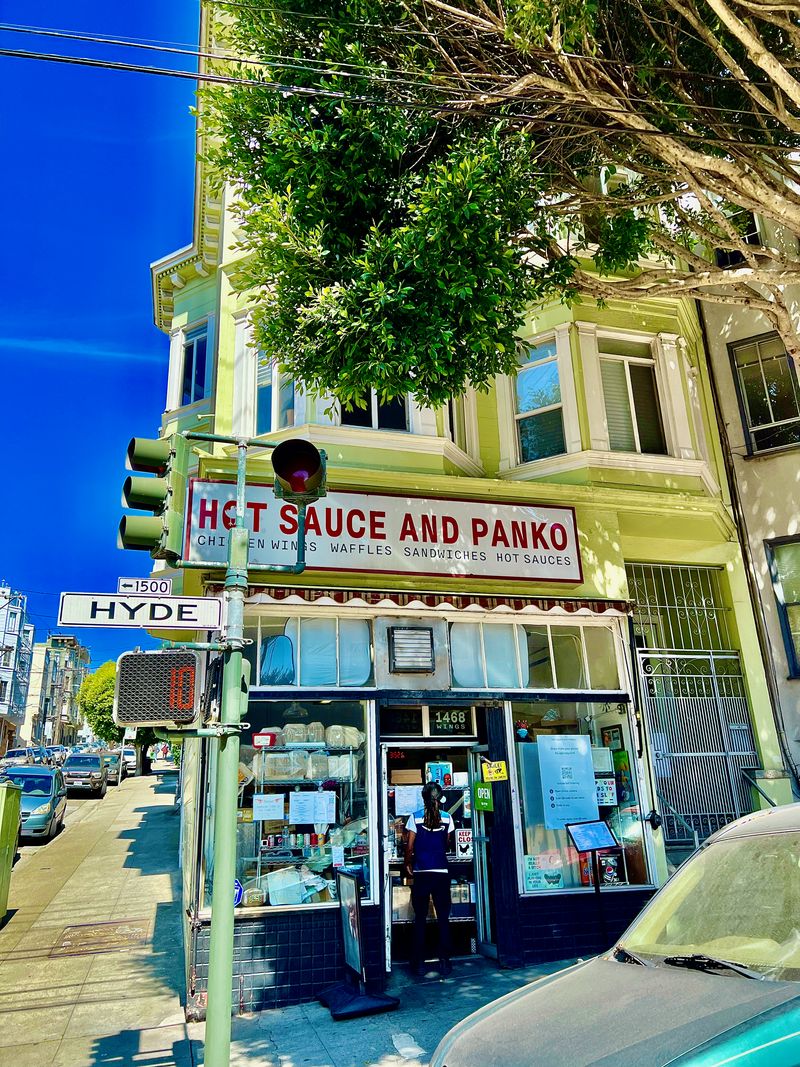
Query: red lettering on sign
{"x": 480, "y": 528}
{"x": 408, "y": 530}
{"x": 208, "y": 513}
{"x": 558, "y": 535}
{"x": 519, "y": 534}
{"x": 499, "y": 535}
{"x": 538, "y": 540}
{"x": 429, "y": 528}
{"x": 312, "y": 522}
{"x": 334, "y": 521}
{"x": 353, "y": 517}
{"x": 449, "y": 530}
{"x": 257, "y": 506}
{"x": 377, "y": 520}
{"x": 288, "y": 523}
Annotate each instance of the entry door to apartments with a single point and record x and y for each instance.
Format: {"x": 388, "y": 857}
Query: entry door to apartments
{"x": 698, "y": 725}
{"x": 693, "y": 695}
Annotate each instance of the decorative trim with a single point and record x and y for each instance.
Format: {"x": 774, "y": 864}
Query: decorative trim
{"x": 633, "y": 461}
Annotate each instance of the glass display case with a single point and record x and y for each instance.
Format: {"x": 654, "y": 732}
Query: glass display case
{"x": 303, "y": 807}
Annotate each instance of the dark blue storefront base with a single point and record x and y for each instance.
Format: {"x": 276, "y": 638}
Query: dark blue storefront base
{"x": 290, "y": 958}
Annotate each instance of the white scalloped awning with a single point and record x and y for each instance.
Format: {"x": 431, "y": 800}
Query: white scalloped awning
{"x": 430, "y": 603}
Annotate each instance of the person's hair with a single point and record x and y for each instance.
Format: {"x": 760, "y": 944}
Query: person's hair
{"x": 431, "y": 795}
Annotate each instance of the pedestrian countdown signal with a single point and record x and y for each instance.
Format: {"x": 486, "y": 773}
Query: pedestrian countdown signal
{"x": 157, "y": 688}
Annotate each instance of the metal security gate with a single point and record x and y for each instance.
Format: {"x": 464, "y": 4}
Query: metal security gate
{"x": 700, "y": 736}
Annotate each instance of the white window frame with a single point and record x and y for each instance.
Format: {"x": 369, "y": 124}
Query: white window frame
{"x": 510, "y": 458}
{"x": 520, "y": 415}
{"x": 469, "y": 415}
{"x": 627, "y": 362}
{"x": 179, "y": 338}
{"x": 244, "y": 417}
{"x": 671, "y": 394}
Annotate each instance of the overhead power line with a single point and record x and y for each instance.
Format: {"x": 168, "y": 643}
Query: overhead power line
{"x": 453, "y": 108}
{"x": 375, "y": 73}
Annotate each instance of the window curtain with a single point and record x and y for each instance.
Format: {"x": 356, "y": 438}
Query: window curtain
{"x": 465, "y": 655}
{"x": 317, "y": 652}
{"x": 355, "y": 652}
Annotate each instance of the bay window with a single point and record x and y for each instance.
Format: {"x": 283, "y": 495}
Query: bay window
{"x": 539, "y": 410}
{"x": 275, "y": 401}
{"x": 196, "y": 377}
{"x": 630, "y": 397}
{"x": 378, "y": 414}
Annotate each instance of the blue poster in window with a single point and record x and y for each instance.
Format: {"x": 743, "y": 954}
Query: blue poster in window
{"x": 569, "y": 793}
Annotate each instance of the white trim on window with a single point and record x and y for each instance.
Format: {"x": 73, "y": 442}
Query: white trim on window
{"x": 671, "y": 396}
{"x": 569, "y": 397}
{"x": 593, "y": 386}
{"x": 421, "y": 420}
{"x": 178, "y": 339}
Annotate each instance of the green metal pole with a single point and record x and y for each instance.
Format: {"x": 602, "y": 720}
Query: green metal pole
{"x": 220, "y": 963}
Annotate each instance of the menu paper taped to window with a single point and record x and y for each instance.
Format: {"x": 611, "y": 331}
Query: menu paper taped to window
{"x": 407, "y": 799}
{"x": 302, "y": 808}
{"x": 269, "y": 807}
{"x": 324, "y": 806}
{"x": 569, "y": 793}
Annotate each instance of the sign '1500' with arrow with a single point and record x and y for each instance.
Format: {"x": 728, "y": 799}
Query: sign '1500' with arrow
{"x": 153, "y": 612}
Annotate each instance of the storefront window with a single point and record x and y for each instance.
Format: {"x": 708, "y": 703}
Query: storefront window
{"x": 516, "y": 656}
{"x": 313, "y": 652}
{"x": 576, "y": 764}
{"x": 303, "y": 804}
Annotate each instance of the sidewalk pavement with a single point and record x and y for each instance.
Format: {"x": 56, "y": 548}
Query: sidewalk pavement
{"x": 306, "y": 1036}
{"x": 91, "y": 960}
{"x": 92, "y": 970}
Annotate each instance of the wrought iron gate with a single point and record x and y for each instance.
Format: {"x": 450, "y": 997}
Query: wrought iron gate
{"x": 698, "y": 727}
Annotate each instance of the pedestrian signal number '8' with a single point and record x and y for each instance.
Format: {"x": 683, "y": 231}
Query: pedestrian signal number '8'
{"x": 157, "y": 688}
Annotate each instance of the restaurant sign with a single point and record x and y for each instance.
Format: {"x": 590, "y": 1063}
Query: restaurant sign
{"x": 391, "y": 534}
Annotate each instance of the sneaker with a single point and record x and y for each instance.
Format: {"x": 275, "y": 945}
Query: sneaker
{"x": 445, "y": 967}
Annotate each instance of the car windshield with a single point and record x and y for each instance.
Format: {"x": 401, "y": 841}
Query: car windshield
{"x": 34, "y": 785}
{"x": 16, "y": 753}
{"x": 112, "y": 761}
{"x": 82, "y": 761}
{"x": 737, "y": 900}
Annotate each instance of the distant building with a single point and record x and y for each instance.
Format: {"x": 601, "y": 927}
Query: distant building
{"x": 16, "y": 646}
{"x": 52, "y": 716}
{"x": 758, "y": 393}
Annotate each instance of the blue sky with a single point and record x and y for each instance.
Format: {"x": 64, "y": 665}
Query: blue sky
{"x": 96, "y": 183}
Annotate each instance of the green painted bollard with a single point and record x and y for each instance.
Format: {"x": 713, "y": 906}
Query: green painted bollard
{"x": 9, "y": 827}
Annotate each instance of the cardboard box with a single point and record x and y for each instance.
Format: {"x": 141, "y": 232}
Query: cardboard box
{"x": 410, "y": 777}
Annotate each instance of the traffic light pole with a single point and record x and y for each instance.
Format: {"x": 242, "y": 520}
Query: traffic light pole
{"x": 226, "y": 792}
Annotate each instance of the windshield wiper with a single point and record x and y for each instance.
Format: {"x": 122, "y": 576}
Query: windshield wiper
{"x": 624, "y": 955}
{"x": 700, "y": 962}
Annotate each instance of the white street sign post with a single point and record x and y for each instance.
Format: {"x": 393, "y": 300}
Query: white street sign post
{"x": 152, "y": 612}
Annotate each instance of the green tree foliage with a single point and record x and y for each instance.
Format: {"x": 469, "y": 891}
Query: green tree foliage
{"x": 96, "y": 701}
{"x": 410, "y": 175}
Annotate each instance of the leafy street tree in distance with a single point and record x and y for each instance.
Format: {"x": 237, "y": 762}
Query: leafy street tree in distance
{"x": 412, "y": 175}
{"x": 96, "y": 701}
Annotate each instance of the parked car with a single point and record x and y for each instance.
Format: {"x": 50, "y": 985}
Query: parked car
{"x": 43, "y": 804}
{"x": 57, "y": 753}
{"x": 115, "y": 767}
{"x": 129, "y": 758}
{"x": 709, "y": 973}
{"x": 19, "y": 757}
{"x": 86, "y": 771}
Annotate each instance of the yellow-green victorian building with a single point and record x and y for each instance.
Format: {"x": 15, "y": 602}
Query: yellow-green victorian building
{"x": 541, "y": 584}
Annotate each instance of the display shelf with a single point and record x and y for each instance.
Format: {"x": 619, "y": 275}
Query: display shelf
{"x": 452, "y": 919}
{"x": 311, "y": 746}
{"x": 303, "y": 781}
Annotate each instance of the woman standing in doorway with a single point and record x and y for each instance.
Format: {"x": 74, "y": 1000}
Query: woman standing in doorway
{"x": 426, "y": 859}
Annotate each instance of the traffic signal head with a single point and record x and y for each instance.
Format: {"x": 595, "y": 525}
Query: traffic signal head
{"x": 160, "y": 534}
{"x": 300, "y": 471}
{"x": 157, "y": 688}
